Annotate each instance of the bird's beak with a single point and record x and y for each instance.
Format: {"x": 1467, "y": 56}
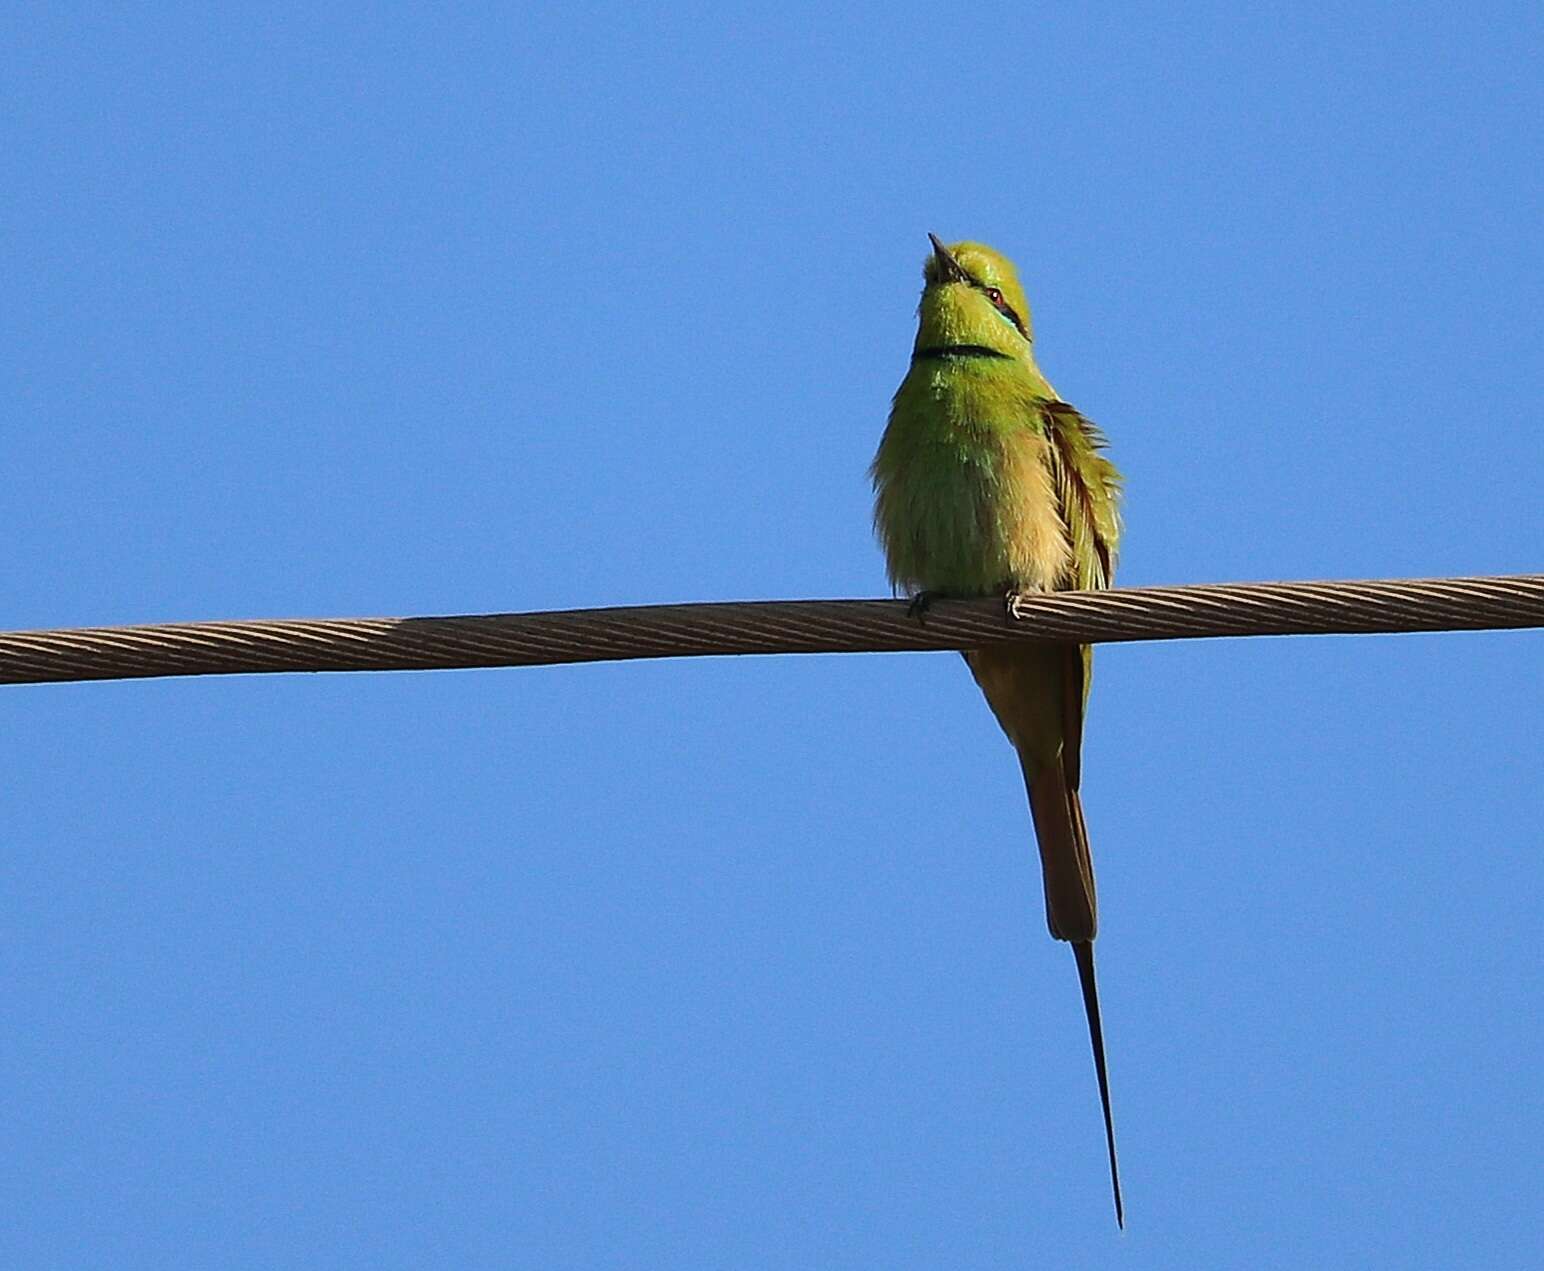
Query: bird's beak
{"x": 949, "y": 269}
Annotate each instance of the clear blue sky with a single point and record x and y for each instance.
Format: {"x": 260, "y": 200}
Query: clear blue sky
{"x": 337, "y": 310}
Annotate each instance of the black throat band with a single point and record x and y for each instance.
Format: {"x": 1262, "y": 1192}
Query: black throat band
{"x": 941, "y": 352}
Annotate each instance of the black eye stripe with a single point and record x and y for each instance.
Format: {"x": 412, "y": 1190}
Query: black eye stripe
{"x": 1007, "y": 310}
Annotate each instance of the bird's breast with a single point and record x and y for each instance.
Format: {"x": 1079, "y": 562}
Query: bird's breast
{"x": 967, "y": 504}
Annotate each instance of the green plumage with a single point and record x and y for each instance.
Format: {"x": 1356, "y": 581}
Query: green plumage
{"x": 986, "y": 483}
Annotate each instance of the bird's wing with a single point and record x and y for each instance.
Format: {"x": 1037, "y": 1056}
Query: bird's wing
{"x": 1088, "y": 491}
{"x": 1088, "y": 488}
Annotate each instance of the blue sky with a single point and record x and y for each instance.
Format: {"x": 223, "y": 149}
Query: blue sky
{"x": 342, "y": 310}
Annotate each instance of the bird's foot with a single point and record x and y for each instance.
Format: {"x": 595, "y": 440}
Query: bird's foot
{"x": 921, "y": 603}
{"x": 1012, "y": 594}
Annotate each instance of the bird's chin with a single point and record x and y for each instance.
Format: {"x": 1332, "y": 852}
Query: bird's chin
{"x": 952, "y": 315}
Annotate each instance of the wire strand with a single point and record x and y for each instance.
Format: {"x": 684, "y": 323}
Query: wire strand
{"x": 775, "y": 626}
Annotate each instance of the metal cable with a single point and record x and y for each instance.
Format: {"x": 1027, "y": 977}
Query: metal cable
{"x": 777, "y": 626}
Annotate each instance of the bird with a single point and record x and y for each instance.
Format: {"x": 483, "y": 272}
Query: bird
{"x": 986, "y": 483}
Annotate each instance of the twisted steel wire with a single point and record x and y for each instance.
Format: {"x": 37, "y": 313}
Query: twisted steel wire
{"x": 777, "y": 626}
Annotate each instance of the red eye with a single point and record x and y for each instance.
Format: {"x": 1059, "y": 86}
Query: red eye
{"x": 995, "y": 296}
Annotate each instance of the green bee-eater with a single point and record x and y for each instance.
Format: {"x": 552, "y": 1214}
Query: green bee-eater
{"x": 986, "y": 484}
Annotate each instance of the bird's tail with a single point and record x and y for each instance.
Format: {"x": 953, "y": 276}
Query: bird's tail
{"x": 1072, "y": 911}
{"x": 1084, "y": 952}
{"x": 1065, "y": 861}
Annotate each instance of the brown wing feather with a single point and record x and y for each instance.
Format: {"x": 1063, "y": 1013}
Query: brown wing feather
{"x": 1088, "y": 489}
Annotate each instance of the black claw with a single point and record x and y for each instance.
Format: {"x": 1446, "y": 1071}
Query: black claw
{"x": 921, "y": 603}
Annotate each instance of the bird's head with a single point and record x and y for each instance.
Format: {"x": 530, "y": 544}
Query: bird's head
{"x": 972, "y": 296}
